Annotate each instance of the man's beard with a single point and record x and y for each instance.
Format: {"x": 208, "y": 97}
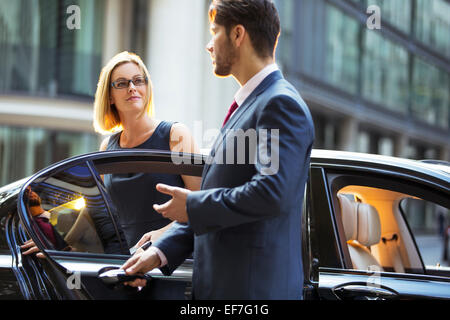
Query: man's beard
{"x": 33, "y": 198}
{"x": 225, "y": 61}
{"x": 32, "y": 202}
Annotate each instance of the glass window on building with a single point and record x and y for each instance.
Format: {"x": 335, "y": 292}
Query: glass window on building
{"x": 319, "y": 125}
{"x": 431, "y": 153}
{"x": 420, "y": 151}
{"x": 431, "y": 94}
{"x": 139, "y": 27}
{"x": 374, "y": 142}
{"x": 363, "y": 142}
{"x": 432, "y": 24}
{"x": 326, "y": 132}
{"x": 342, "y": 50}
{"x": 49, "y": 50}
{"x": 386, "y": 146}
{"x": 286, "y": 9}
{"x": 397, "y": 13}
{"x": 385, "y": 72}
{"x": 24, "y": 151}
{"x": 330, "y": 135}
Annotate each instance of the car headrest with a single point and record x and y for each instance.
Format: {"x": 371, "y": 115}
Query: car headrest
{"x": 349, "y": 217}
{"x": 361, "y": 221}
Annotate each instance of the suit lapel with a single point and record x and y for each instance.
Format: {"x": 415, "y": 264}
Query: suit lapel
{"x": 276, "y": 75}
{"x": 271, "y": 78}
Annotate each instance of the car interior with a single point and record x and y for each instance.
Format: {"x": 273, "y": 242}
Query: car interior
{"x": 69, "y": 215}
{"x": 377, "y": 236}
{"x": 78, "y": 214}
{"x": 78, "y": 230}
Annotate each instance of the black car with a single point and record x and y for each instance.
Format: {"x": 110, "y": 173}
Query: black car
{"x": 364, "y": 225}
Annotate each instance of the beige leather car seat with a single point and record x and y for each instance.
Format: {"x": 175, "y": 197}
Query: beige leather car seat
{"x": 83, "y": 236}
{"x": 362, "y": 230}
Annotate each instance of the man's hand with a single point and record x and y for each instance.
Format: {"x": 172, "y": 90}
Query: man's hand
{"x": 32, "y": 248}
{"x": 152, "y": 235}
{"x": 175, "y": 208}
{"x": 141, "y": 262}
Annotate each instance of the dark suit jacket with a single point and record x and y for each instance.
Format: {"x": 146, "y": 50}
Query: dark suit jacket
{"x": 245, "y": 224}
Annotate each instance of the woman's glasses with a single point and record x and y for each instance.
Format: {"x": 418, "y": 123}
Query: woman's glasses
{"x": 124, "y": 83}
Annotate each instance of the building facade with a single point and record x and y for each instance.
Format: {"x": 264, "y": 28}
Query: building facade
{"x": 384, "y": 91}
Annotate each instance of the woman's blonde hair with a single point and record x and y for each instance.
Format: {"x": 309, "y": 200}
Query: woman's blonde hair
{"x": 106, "y": 116}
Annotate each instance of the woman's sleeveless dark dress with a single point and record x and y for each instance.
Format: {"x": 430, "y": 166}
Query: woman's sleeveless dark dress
{"x": 134, "y": 194}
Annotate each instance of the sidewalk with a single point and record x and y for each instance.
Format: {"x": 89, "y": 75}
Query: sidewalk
{"x": 431, "y": 249}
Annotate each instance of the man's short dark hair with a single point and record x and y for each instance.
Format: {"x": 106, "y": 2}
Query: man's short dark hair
{"x": 259, "y": 18}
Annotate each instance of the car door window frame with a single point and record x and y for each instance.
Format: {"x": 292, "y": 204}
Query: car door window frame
{"x": 322, "y": 222}
{"x": 339, "y": 179}
{"x": 66, "y": 264}
{"x": 338, "y": 176}
{"x": 101, "y": 162}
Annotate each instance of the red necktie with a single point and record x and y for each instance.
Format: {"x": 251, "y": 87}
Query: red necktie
{"x": 233, "y": 107}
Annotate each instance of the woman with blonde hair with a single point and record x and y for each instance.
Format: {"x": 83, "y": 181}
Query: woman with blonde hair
{"x": 124, "y": 107}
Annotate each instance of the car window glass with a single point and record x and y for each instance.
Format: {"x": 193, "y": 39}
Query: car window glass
{"x": 377, "y": 236}
{"x": 430, "y": 225}
{"x": 132, "y": 193}
{"x": 69, "y": 213}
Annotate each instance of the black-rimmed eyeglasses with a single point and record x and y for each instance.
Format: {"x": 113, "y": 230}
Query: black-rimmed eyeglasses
{"x": 124, "y": 83}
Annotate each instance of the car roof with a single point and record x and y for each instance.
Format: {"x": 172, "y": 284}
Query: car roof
{"x": 437, "y": 170}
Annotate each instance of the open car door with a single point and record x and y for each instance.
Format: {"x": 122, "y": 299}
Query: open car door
{"x": 361, "y": 239}
{"x": 82, "y": 233}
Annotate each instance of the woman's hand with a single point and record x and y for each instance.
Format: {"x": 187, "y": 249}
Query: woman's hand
{"x": 152, "y": 235}
{"x": 146, "y": 237}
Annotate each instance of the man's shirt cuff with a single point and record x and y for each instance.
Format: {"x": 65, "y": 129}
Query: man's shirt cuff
{"x": 160, "y": 254}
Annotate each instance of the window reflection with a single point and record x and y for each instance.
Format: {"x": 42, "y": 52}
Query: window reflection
{"x": 342, "y": 50}
{"x": 72, "y": 209}
{"x": 42, "y": 218}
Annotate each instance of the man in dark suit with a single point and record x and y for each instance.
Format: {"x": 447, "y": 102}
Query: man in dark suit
{"x": 244, "y": 225}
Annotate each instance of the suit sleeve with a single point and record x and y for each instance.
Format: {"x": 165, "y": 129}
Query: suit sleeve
{"x": 266, "y": 194}
{"x": 177, "y": 244}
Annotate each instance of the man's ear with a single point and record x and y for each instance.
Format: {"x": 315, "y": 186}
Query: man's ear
{"x": 238, "y": 33}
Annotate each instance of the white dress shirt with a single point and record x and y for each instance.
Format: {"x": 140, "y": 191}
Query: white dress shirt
{"x": 245, "y": 91}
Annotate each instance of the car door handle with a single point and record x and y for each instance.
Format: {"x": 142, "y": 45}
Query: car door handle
{"x": 113, "y": 276}
{"x": 365, "y": 292}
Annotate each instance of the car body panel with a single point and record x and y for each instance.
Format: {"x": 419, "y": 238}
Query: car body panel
{"x": 381, "y": 285}
{"x": 328, "y": 269}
